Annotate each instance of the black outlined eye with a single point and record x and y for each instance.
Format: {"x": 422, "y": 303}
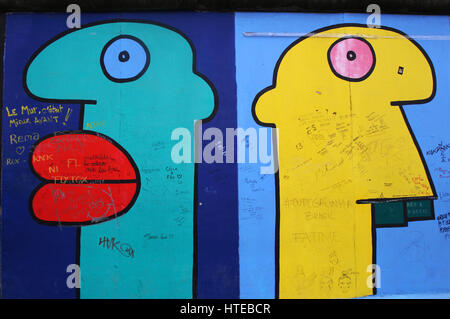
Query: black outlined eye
{"x": 124, "y": 59}
{"x": 351, "y": 59}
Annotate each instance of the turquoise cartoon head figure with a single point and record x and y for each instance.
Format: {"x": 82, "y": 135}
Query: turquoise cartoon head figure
{"x": 131, "y": 68}
{"x": 136, "y": 82}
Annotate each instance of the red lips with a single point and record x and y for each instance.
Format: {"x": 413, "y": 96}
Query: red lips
{"x": 88, "y": 178}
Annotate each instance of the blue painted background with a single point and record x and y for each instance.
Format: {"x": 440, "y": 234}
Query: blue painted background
{"x": 34, "y": 256}
{"x": 413, "y": 260}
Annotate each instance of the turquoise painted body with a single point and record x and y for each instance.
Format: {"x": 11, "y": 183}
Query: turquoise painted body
{"x": 140, "y": 115}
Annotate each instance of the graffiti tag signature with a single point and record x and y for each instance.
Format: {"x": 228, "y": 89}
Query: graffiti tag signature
{"x": 111, "y": 243}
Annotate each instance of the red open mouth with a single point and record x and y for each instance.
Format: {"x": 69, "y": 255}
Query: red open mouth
{"x": 87, "y": 178}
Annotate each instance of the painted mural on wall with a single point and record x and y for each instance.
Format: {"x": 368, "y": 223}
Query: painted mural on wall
{"x": 136, "y": 152}
{"x": 345, "y": 148}
{"x": 160, "y": 87}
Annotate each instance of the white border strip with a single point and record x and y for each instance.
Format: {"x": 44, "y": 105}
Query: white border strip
{"x": 340, "y": 35}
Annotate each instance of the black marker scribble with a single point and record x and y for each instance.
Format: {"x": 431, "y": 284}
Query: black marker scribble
{"x": 439, "y": 148}
{"x": 111, "y": 243}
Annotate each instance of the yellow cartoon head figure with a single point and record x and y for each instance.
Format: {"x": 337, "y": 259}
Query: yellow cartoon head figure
{"x": 338, "y": 93}
{"x": 343, "y": 142}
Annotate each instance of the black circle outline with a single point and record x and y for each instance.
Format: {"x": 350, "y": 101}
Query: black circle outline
{"x": 126, "y": 54}
{"x": 133, "y": 78}
{"x": 351, "y": 55}
{"x": 83, "y": 102}
{"x": 344, "y": 77}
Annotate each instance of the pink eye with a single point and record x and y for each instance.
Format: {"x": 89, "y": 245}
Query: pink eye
{"x": 351, "y": 59}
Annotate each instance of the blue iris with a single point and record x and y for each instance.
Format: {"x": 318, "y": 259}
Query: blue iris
{"x": 124, "y": 59}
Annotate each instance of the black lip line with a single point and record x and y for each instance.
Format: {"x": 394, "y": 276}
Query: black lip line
{"x": 89, "y": 181}
{"x": 274, "y": 139}
{"x": 44, "y": 181}
{"x": 80, "y": 125}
